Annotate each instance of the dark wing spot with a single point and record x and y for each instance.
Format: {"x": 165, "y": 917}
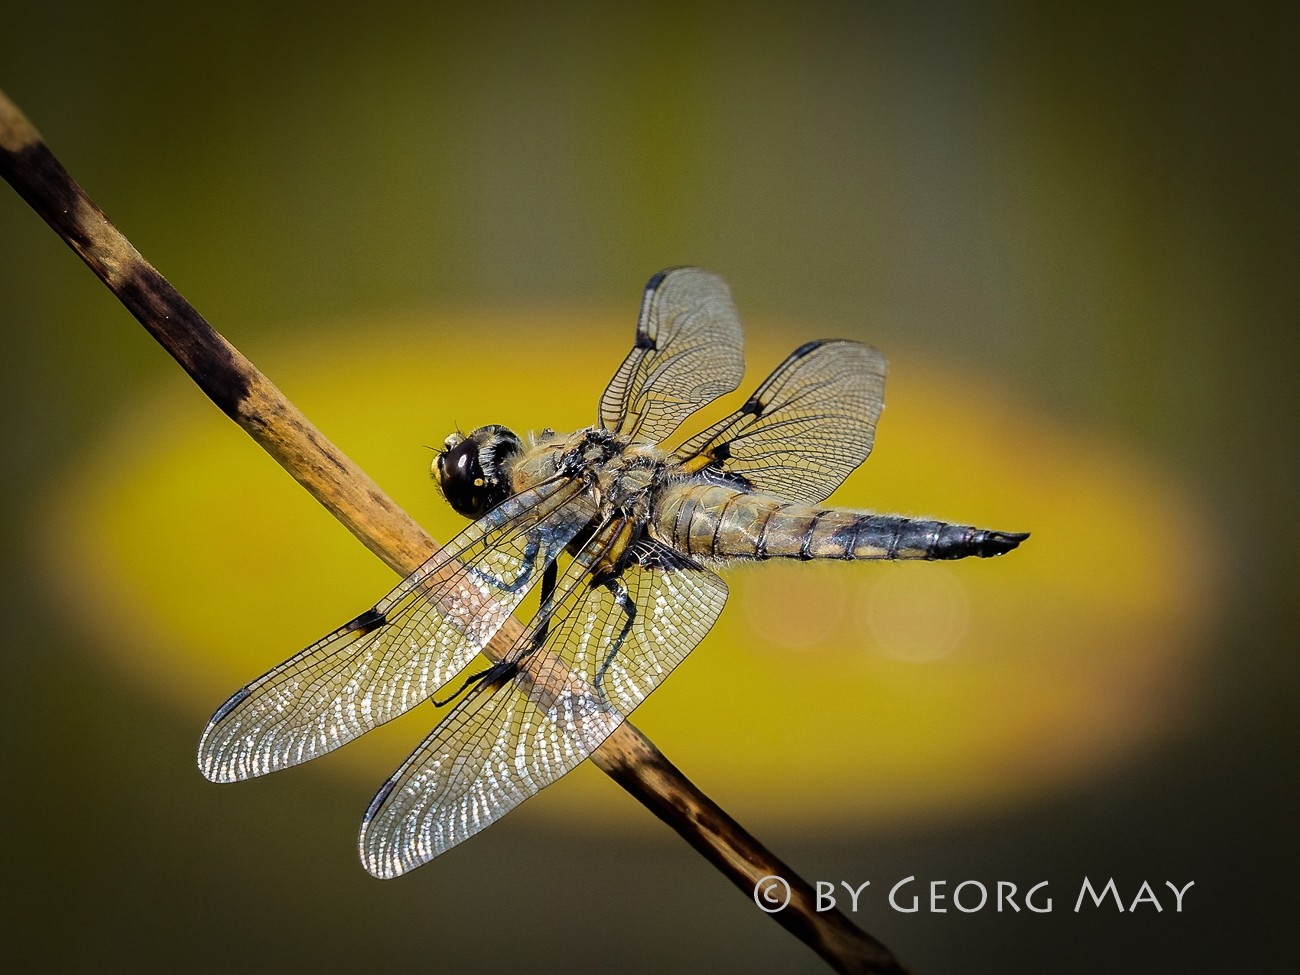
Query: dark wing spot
{"x": 650, "y": 554}
{"x": 235, "y": 700}
{"x": 807, "y": 347}
{"x": 367, "y": 622}
{"x": 378, "y": 801}
{"x": 721, "y": 476}
{"x": 643, "y": 339}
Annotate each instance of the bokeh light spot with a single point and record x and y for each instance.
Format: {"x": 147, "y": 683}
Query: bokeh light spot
{"x": 915, "y": 615}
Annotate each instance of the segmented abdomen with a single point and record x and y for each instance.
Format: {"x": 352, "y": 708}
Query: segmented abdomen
{"x": 720, "y": 522}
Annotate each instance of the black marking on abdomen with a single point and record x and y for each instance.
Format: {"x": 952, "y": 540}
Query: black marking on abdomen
{"x": 932, "y": 542}
{"x": 717, "y": 525}
{"x": 760, "y": 547}
{"x": 895, "y": 537}
{"x": 846, "y": 539}
{"x": 804, "y": 554}
{"x": 939, "y": 540}
{"x": 689, "y": 512}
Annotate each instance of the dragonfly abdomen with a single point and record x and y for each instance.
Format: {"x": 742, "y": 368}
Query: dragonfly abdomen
{"x": 720, "y": 522}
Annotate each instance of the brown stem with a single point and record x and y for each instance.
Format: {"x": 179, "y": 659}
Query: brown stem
{"x": 250, "y": 399}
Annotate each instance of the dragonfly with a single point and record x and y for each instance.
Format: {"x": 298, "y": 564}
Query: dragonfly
{"x": 621, "y": 534}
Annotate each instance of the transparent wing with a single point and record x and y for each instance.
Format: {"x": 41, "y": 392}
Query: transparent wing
{"x": 397, "y": 654}
{"x": 519, "y": 731}
{"x": 805, "y": 428}
{"x": 688, "y": 352}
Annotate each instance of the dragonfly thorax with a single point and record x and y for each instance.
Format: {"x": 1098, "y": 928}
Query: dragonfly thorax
{"x": 614, "y": 469}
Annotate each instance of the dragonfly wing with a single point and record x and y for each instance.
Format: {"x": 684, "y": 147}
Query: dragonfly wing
{"x": 543, "y": 711}
{"x": 397, "y": 654}
{"x": 689, "y": 350}
{"x": 805, "y": 428}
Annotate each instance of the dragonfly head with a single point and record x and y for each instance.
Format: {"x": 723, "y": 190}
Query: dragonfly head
{"x": 474, "y": 472}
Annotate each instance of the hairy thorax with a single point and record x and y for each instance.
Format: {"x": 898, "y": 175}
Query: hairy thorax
{"x": 619, "y": 474}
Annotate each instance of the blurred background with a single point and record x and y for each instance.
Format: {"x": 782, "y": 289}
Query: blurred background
{"x": 1072, "y": 234}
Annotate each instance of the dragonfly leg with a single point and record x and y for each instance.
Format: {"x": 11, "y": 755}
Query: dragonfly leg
{"x": 524, "y": 578}
{"x": 486, "y": 676}
{"x": 509, "y": 665}
{"x": 546, "y": 609}
{"x": 624, "y": 602}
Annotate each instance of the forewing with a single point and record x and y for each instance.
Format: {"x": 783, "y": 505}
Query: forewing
{"x": 689, "y": 350}
{"x": 805, "y": 428}
{"x": 512, "y": 737}
{"x": 397, "y": 654}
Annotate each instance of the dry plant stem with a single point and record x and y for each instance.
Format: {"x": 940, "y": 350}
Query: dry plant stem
{"x": 252, "y": 401}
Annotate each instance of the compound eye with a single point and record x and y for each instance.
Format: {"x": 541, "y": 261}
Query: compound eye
{"x": 461, "y": 478}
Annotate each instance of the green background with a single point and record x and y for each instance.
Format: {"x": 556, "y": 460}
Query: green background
{"x": 1093, "y": 209}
